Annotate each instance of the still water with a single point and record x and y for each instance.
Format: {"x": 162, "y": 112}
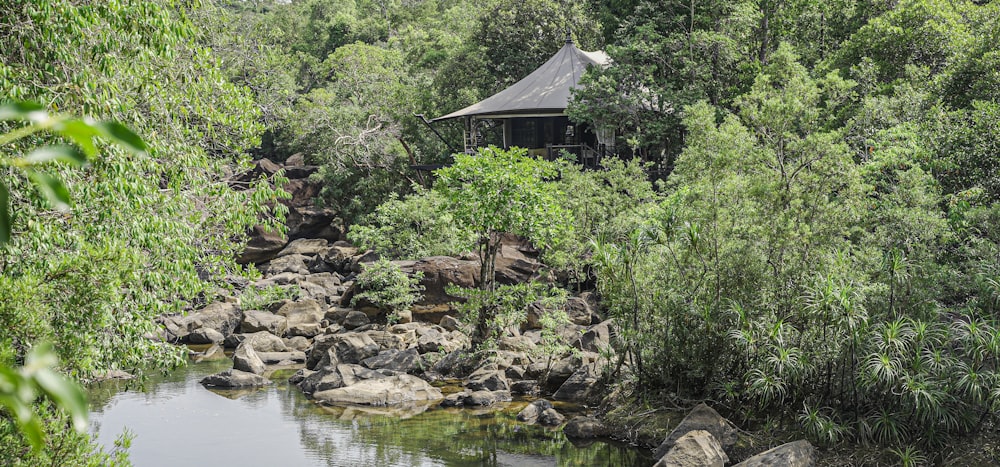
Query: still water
{"x": 176, "y": 421}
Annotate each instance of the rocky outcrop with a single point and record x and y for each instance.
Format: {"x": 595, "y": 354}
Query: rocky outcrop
{"x": 231, "y": 379}
{"x": 583, "y": 385}
{"x": 697, "y": 448}
{"x": 245, "y": 359}
{"x": 702, "y": 417}
{"x": 392, "y": 390}
{"x": 585, "y": 428}
{"x": 531, "y": 412}
{"x": 795, "y": 454}
{"x": 222, "y": 317}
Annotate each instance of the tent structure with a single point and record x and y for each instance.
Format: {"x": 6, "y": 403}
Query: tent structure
{"x": 533, "y": 110}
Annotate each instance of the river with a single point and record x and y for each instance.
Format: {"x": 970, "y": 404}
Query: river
{"x": 176, "y": 421}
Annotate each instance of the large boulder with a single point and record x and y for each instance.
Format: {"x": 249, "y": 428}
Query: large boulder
{"x": 288, "y": 263}
{"x": 531, "y": 412}
{"x": 303, "y": 317}
{"x": 597, "y": 338}
{"x": 311, "y": 222}
{"x": 697, "y": 448}
{"x": 550, "y": 417}
{"x": 245, "y": 358}
{"x": 442, "y": 271}
{"x": 264, "y": 341}
{"x": 262, "y": 246}
{"x": 483, "y": 398}
{"x": 582, "y": 386}
{"x": 331, "y": 349}
{"x": 488, "y": 379}
{"x": 585, "y": 428}
{"x": 795, "y": 454}
{"x": 223, "y": 317}
{"x": 206, "y": 336}
{"x": 516, "y": 263}
{"x": 404, "y": 361}
{"x": 702, "y": 417}
{"x": 234, "y": 378}
{"x": 305, "y": 247}
{"x": 336, "y": 376}
{"x": 256, "y": 321}
{"x": 386, "y": 391}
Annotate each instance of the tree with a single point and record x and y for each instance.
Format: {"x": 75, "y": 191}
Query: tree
{"x": 497, "y": 192}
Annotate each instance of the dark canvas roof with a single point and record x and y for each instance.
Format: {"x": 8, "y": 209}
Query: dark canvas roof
{"x": 546, "y": 91}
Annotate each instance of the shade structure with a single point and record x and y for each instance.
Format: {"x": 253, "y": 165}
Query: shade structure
{"x": 545, "y": 92}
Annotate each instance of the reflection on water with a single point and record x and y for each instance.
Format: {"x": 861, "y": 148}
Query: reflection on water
{"x": 178, "y": 422}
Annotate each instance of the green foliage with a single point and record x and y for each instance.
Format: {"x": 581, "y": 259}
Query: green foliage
{"x": 385, "y": 286}
{"x": 506, "y": 306}
{"x": 413, "y": 227}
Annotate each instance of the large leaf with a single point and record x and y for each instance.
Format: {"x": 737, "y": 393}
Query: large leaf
{"x": 51, "y": 188}
{"x": 61, "y": 153}
{"x": 67, "y": 394}
{"x": 120, "y": 134}
{"x": 20, "y": 110}
{"x": 4, "y": 215}
{"x": 82, "y": 132}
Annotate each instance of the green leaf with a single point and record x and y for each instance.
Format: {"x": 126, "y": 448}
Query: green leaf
{"x": 81, "y": 132}
{"x": 67, "y": 394}
{"x": 61, "y": 153}
{"x": 4, "y": 215}
{"x": 51, "y": 188}
{"x": 19, "y": 110}
{"x": 120, "y": 134}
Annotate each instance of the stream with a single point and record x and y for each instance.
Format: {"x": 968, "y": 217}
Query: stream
{"x": 176, "y": 421}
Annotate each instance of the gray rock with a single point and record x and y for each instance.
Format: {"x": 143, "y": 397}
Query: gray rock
{"x": 795, "y": 454}
{"x": 206, "y": 336}
{"x": 256, "y": 321}
{"x": 305, "y": 247}
{"x": 484, "y": 398}
{"x": 234, "y": 378}
{"x": 303, "y": 317}
{"x": 528, "y": 387}
{"x": 380, "y": 392}
{"x": 531, "y": 412}
{"x": 697, "y": 448}
{"x": 450, "y": 323}
{"x": 490, "y": 380}
{"x": 405, "y": 361}
{"x": 578, "y": 311}
{"x": 702, "y": 417}
{"x": 246, "y": 359}
{"x": 297, "y": 343}
{"x": 355, "y": 319}
{"x": 220, "y": 316}
{"x": 550, "y": 417}
{"x": 290, "y": 263}
{"x": 585, "y": 428}
{"x": 264, "y": 341}
{"x": 597, "y": 338}
{"x": 262, "y": 246}
{"x": 582, "y": 386}
{"x": 271, "y": 358}
{"x": 299, "y": 376}
{"x": 390, "y": 341}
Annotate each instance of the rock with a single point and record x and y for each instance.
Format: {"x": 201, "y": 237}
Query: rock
{"x": 450, "y": 323}
{"x": 297, "y": 343}
{"x": 222, "y": 317}
{"x": 404, "y": 316}
{"x": 517, "y": 344}
{"x": 531, "y": 412}
{"x": 697, "y": 448}
{"x": 299, "y": 376}
{"x": 455, "y": 364}
{"x": 484, "y": 398}
{"x": 263, "y": 245}
{"x": 206, "y": 336}
{"x": 282, "y": 358}
{"x": 388, "y": 340}
{"x": 528, "y": 387}
{"x": 490, "y": 380}
{"x": 349, "y": 347}
{"x": 550, "y": 417}
{"x": 303, "y": 317}
{"x": 295, "y": 160}
{"x": 291, "y": 263}
{"x": 234, "y": 378}
{"x": 311, "y": 222}
{"x": 215, "y": 352}
{"x": 246, "y": 359}
{"x": 795, "y": 454}
{"x": 585, "y": 428}
{"x": 558, "y": 372}
{"x": 582, "y": 386}
{"x": 454, "y": 400}
{"x": 264, "y": 341}
{"x": 387, "y": 391}
{"x": 597, "y": 338}
{"x": 255, "y": 321}
{"x": 516, "y": 263}
{"x": 702, "y": 417}
{"x": 578, "y": 311}
{"x": 337, "y": 376}
{"x": 405, "y": 361}
{"x": 441, "y": 271}
{"x": 305, "y": 247}
{"x": 436, "y": 341}
{"x": 355, "y": 319}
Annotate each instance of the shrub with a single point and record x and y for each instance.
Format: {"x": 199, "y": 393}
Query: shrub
{"x": 387, "y": 287}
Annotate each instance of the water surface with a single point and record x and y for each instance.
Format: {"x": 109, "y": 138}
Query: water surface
{"x": 176, "y": 421}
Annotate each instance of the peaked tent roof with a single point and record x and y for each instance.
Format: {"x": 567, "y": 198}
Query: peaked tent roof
{"x": 546, "y": 91}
